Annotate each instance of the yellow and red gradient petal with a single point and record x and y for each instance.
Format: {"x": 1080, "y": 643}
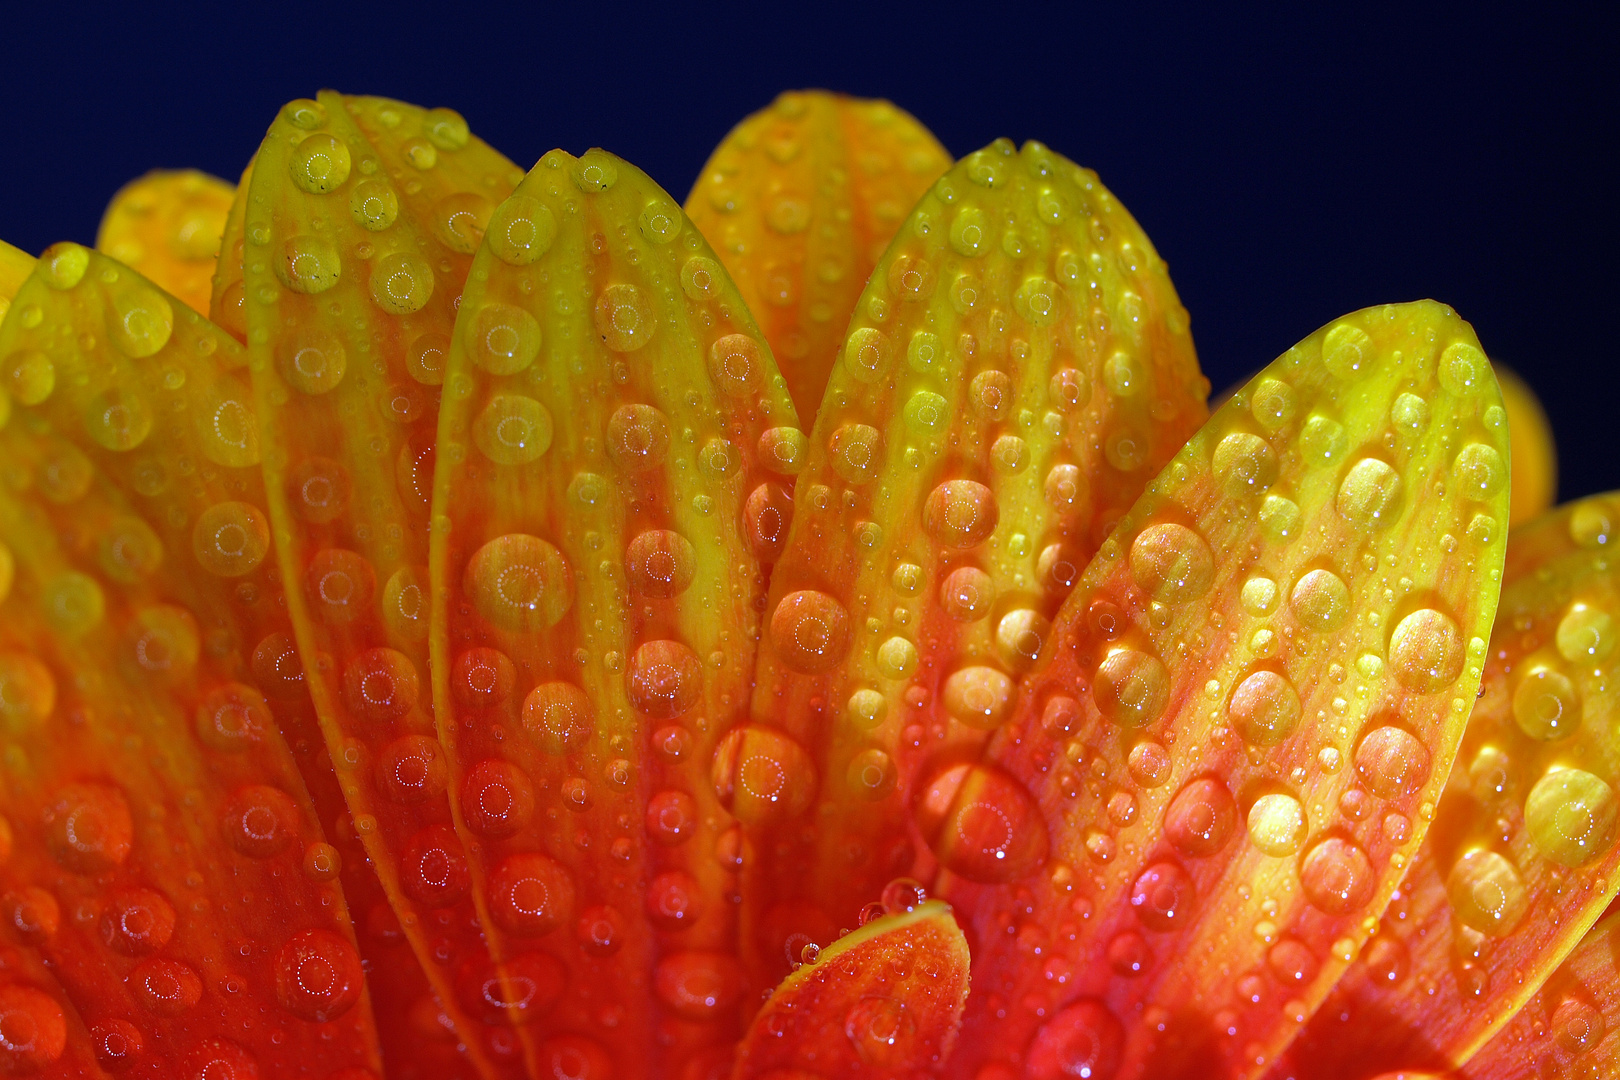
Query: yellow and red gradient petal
{"x": 1247, "y": 708}
{"x": 1570, "y": 1026}
{"x": 1535, "y": 453}
{"x": 880, "y": 1000}
{"x": 800, "y": 200}
{"x": 360, "y": 227}
{"x": 1526, "y": 825}
{"x": 148, "y": 839}
{"x": 1017, "y": 369}
{"x": 167, "y": 226}
{"x": 609, "y": 408}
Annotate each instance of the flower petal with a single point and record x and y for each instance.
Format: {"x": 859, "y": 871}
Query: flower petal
{"x": 609, "y": 406}
{"x": 1522, "y": 855}
{"x": 1247, "y": 709}
{"x": 166, "y": 226}
{"x": 886, "y": 998}
{"x": 1572, "y": 1023}
{"x": 386, "y": 202}
{"x": 1017, "y": 369}
{"x": 800, "y": 200}
{"x": 150, "y": 786}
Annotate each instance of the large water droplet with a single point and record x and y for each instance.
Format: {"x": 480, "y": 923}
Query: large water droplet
{"x": 1201, "y": 818}
{"x": 982, "y": 824}
{"x": 1486, "y": 892}
{"x": 810, "y": 631}
{"x": 1337, "y": 876}
{"x": 1570, "y": 815}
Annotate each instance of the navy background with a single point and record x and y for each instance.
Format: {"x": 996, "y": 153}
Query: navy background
{"x": 1290, "y": 166}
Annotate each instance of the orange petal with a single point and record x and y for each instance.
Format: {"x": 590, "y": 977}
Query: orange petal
{"x": 368, "y": 212}
{"x": 885, "y": 1000}
{"x": 1244, "y": 714}
{"x": 1019, "y": 367}
{"x": 1535, "y": 455}
{"x": 609, "y": 407}
{"x": 1522, "y": 856}
{"x": 148, "y": 784}
{"x": 1571, "y": 1026}
{"x": 166, "y": 226}
{"x": 800, "y": 200}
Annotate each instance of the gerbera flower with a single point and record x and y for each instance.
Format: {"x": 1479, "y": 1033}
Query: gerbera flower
{"x": 506, "y": 624}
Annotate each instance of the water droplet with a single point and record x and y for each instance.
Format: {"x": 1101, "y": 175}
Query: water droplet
{"x": 960, "y": 514}
{"x": 665, "y": 679}
{"x": 1590, "y": 524}
{"x": 318, "y": 975}
{"x": 1171, "y": 563}
{"x": 1131, "y": 688}
{"x": 967, "y": 594}
{"x": 319, "y": 163}
{"x": 1337, "y": 876}
{"x": 766, "y": 517}
{"x": 1320, "y": 601}
{"x": 1346, "y": 350}
{"x": 137, "y": 921}
{"x": 1576, "y": 1026}
{"x": 512, "y": 429}
{"x": 882, "y": 1032}
{"x": 1478, "y": 471}
{"x": 520, "y": 230}
{"x": 1065, "y": 487}
{"x": 482, "y": 677}
{"x": 88, "y": 827}
{"x": 857, "y": 452}
{"x": 1546, "y": 705}
{"x": 871, "y": 774}
{"x": 1585, "y": 634}
{"x": 558, "y": 716}
{"x": 1163, "y": 897}
{"x": 660, "y": 563}
{"x": 867, "y": 355}
{"x": 1245, "y": 464}
{"x": 497, "y": 799}
{"x": 530, "y": 895}
{"x": 412, "y": 769}
{"x": 1410, "y": 415}
{"x": 1277, "y": 824}
{"x": 1370, "y": 495}
{"x": 165, "y": 987}
{"x": 637, "y": 437}
{"x": 762, "y": 776}
{"x": 1463, "y": 369}
{"x": 1082, "y": 1042}
{"x": 1200, "y": 818}
{"x": 1426, "y": 651}
{"x": 1265, "y": 708}
{"x": 433, "y": 868}
{"x": 1020, "y": 635}
{"x": 896, "y": 658}
{"x": 698, "y": 985}
{"x": 505, "y": 339}
{"x": 810, "y": 631}
{"x": 624, "y": 318}
{"x": 30, "y": 376}
{"x": 1392, "y": 762}
{"x": 230, "y": 538}
{"x": 982, "y": 824}
{"x": 1570, "y": 815}
{"x": 1486, "y": 893}
{"x": 980, "y": 697}
{"x": 380, "y": 684}
{"x": 402, "y": 283}
{"x": 519, "y": 583}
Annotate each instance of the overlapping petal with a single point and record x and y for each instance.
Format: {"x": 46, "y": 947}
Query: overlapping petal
{"x": 473, "y": 572}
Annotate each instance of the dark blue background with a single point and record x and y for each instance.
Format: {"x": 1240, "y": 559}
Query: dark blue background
{"x": 1289, "y": 166}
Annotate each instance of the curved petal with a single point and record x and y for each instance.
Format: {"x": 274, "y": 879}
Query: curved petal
{"x": 609, "y": 407}
{"x": 800, "y": 200}
{"x": 1571, "y": 1027}
{"x": 883, "y": 1000}
{"x": 1018, "y": 368}
{"x": 167, "y": 226}
{"x": 361, "y": 223}
{"x": 1521, "y": 858}
{"x": 149, "y": 783}
{"x": 1245, "y": 712}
